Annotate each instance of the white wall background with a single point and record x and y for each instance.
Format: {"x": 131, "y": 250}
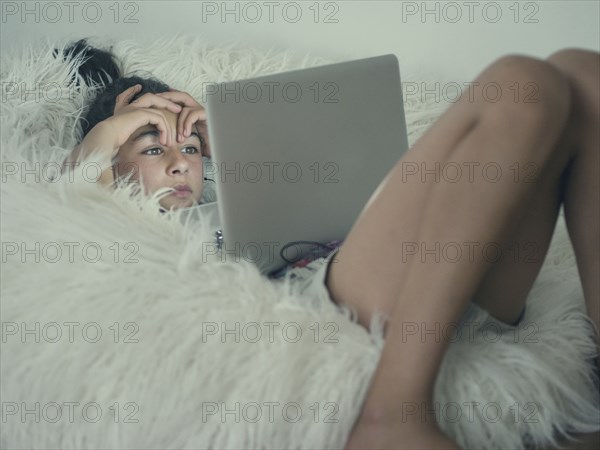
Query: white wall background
{"x": 457, "y": 39}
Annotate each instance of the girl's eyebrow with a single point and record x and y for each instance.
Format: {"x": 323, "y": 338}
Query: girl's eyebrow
{"x": 155, "y": 133}
{"x": 150, "y": 132}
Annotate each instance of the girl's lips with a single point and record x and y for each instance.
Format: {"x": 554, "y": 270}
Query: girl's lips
{"x": 182, "y": 191}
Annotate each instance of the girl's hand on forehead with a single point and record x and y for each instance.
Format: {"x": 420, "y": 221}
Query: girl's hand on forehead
{"x": 128, "y": 119}
{"x": 146, "y": 110}
{"x": 110, "y": 134}
{"x": 189, "y": 111}
{"x": 192, "y": 114}
{"x": 147, "y": 100}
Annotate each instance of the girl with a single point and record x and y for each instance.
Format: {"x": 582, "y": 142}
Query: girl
{"x": 158, "y": 134}
{"x": 549, "y": 134}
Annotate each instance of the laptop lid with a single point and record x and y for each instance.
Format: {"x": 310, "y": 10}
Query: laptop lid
{"x": 297, "y": 155}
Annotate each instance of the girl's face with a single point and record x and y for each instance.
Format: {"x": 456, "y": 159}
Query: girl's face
{"x": 178, "y": 166}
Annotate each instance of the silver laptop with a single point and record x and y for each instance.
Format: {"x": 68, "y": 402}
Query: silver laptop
{"x": 297, "y": 155}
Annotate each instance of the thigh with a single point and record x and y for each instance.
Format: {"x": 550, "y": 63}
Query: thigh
{"x": 367, "y": 272}
{"x": 514, "y": 262}
{"x": 371, "y": 267}
{"x": 506, "y": 286}
{"x": 517, "y": 260}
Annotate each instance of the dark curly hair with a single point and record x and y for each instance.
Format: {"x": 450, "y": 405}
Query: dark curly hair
{"x": 100, "y": 67}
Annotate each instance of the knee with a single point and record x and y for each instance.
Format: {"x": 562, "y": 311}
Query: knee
{"x": 536, "y": 94}
{"x": 582, "y": 67}
{"x": 577, "y": 59}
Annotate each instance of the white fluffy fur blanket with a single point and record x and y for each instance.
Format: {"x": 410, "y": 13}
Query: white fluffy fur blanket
{"x": 118, "y": 333}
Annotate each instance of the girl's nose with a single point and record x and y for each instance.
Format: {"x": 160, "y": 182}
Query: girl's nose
{"x": 177, "y": 162}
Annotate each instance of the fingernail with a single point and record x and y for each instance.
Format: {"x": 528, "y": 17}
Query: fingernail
{"x": 179, "y": 138}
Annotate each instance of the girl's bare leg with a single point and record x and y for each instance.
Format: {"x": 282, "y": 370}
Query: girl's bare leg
{"x": 582, "y": 178}
{"x": 372, "y": 273}
{"x": 578, "y": 186}
{"x": 582, "y": 187}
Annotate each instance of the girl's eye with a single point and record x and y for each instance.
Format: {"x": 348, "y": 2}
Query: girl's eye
{"x": 152, "y": 151}
{"x": 157, "y": 150}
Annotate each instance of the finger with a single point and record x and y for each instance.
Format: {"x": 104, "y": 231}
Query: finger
{"x": 191, "y": 119}
{"x": 125, "y": 97}
{"x": 158, "y": 119}
{"x": 181, "y": 124}
{"x": 186, "y": 120}
{"x": 128, "y": 93}
{"x": 182, "y": 98}
{"x": 170, "y": 136}
{"x": 154, "y": 101}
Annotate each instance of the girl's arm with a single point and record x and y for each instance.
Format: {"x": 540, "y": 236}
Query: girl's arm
{"x": 98, "y": 144}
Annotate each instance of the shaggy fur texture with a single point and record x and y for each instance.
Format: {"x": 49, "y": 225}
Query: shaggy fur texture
{"x": 165, "y": 371}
